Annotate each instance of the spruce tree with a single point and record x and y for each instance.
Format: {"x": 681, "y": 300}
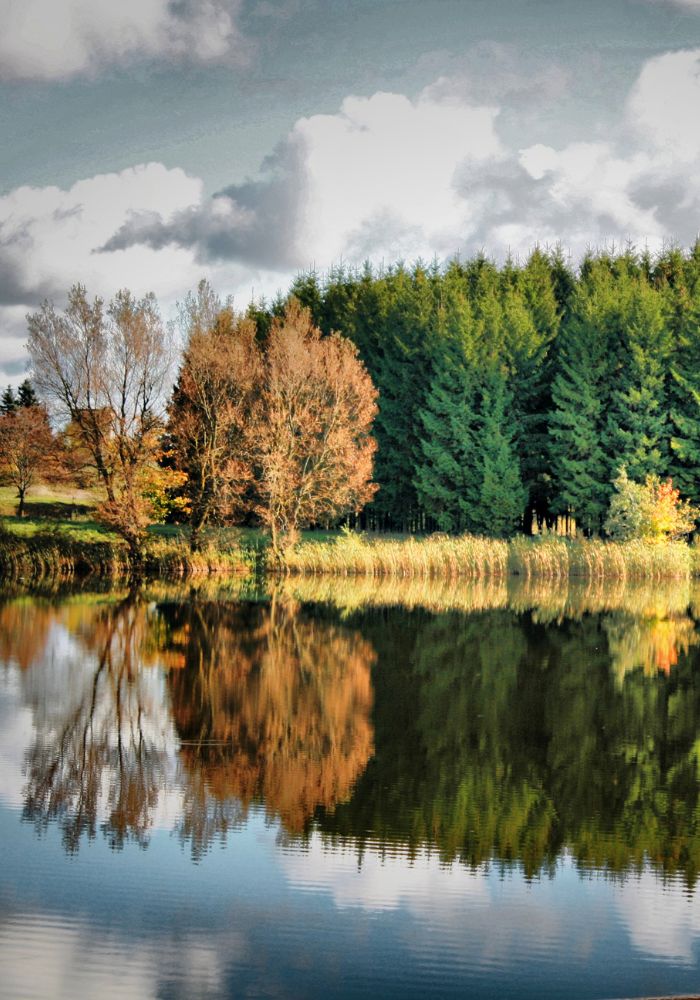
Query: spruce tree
{"x": 638, "y": 433}
{"x": 446, "y": 474}
{"x": 402, "y": 377}
{"x": 8, "y": 401}
{"x": 685, "y": 405}
{"x": 533, "y": 390}
{"x": 580, "y": 397}
{"x": 502, "y": 495}
{"x": 26, "y": 396}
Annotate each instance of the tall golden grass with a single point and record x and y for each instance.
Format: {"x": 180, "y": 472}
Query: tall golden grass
{"x": 52, "y": 554}
{"x": 475, "y": 558}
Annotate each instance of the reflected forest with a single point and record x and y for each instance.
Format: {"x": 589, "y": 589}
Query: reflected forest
{"x": 533, "y": 725}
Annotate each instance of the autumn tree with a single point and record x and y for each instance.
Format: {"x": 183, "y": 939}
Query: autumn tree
{"x": 27, "y": 449}
{"x": 104, "y": 370}
{"x": 211, "y": 406}
{"x": 652, "y": 510}
{"x": 311, "y": 437}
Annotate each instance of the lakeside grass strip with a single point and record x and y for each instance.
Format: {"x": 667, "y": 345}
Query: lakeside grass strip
{"x": 54, "y": 555}
{"x": 472, "y": 557}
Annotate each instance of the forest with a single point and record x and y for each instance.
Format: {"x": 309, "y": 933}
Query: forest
{"x": 459, "y": 398}
{"x": 511, "y": 395}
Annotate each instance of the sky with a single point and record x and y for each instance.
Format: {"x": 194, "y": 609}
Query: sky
{"x": 149, "y": 143}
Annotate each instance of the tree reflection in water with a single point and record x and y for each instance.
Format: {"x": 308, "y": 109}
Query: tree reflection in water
{"x": 521, "y": 724}
{"x": 99, "y": 756}
{"x": 271, "y": 705}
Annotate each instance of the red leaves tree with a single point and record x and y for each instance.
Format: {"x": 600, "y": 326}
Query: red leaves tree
{"x": 312, "y": 433}
{"x": 27, "y": 450}
{"x": 282, "y": 431}
{"x": 210, "y": 408}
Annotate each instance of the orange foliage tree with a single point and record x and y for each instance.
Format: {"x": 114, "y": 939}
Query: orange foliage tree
{"x": 211, "y": 406}
{"x": 280, "y": 430}
{"x": 27, "y": 450}
{"x": 312, "y": 443}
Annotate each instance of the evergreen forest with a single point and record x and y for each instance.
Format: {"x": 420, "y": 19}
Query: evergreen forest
{"x": 511, "y": 396}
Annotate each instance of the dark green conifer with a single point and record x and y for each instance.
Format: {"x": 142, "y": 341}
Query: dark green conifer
{"x": 638, "y": 433}
{"x": 446, "y": 473}
{"x": 580, "y": 397}
{"x": 26, "y": 396}
{"x": 502, "y": 495}
{"x": 685, "y": 395}
{"x": 8, "y": 401}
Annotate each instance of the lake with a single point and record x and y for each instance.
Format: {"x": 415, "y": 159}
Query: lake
{"x": 351, "y": 788}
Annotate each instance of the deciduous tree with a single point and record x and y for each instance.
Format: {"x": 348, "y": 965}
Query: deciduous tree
{"x": 211, "y": 407}
{"x": 27, "y": 449}
{"x": 312, "y": 430}
{"x": 105, "y": 371}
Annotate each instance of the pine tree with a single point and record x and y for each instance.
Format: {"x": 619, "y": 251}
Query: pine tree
{"x": 638, "y": 433}
{"x": 8, "y": 401}
{"x": 446, "y": 475}
{"x": 502, "y": 495}
{"x": 580, "y": 397}
{"x": 685, "y": 394}
{"x": 26, "y": 396}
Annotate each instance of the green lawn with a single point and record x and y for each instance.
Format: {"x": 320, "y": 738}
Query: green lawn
{"x": 71, "y": 511}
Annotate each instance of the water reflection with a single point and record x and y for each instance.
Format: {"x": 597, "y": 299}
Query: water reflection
{"x": 499, "y": 723}
{"x": 98, "y": 755}
{"x": 270, "y": 705}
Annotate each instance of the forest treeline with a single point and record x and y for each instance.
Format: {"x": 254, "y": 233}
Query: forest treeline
{"x": 468, "y": 397}
{"x": 511, "y": 395}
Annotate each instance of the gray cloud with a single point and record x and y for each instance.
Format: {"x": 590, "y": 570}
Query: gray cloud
{"x": 256, "y": 222}
{"x": 496, "y": 73}
{"x": 58, "y": 39}
{"x": 673, "y": 202}
{"x": 16, "y": 288}
{"x": 15, "y": 367}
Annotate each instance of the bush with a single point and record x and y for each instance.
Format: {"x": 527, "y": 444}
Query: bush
{"x": 653, "y": 511}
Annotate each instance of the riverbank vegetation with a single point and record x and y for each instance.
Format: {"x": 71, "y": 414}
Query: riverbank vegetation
{"x": 461, "y": 408}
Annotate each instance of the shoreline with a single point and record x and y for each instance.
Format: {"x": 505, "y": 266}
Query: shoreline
{"x": 51, "y": 554}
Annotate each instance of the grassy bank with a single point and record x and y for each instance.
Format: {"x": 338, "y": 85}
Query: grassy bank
{"x": 475, "y": 558}
{"x": 57, "y": 551}
{"x": 62, "y": 540}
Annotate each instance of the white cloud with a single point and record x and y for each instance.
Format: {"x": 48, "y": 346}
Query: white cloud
{"x": 53, "y": 39}
{"x": 386, "y": 158}
{"x": 389, "y": 177}
{"x": 47, "y": 235}
{"x": 662, "y": 922}
{"x": 664, "y": 104}
{"x": 384, "y": 177}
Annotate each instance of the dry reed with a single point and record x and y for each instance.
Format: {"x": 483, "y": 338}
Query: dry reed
{"x": 471, "y": 557}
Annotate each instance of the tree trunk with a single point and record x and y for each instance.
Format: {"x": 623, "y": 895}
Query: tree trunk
{"x": 20, "y": 506}
{"x": 136, "y": 560}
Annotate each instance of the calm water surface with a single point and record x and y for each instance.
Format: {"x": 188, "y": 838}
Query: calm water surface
{"x": 347, "y": 789}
